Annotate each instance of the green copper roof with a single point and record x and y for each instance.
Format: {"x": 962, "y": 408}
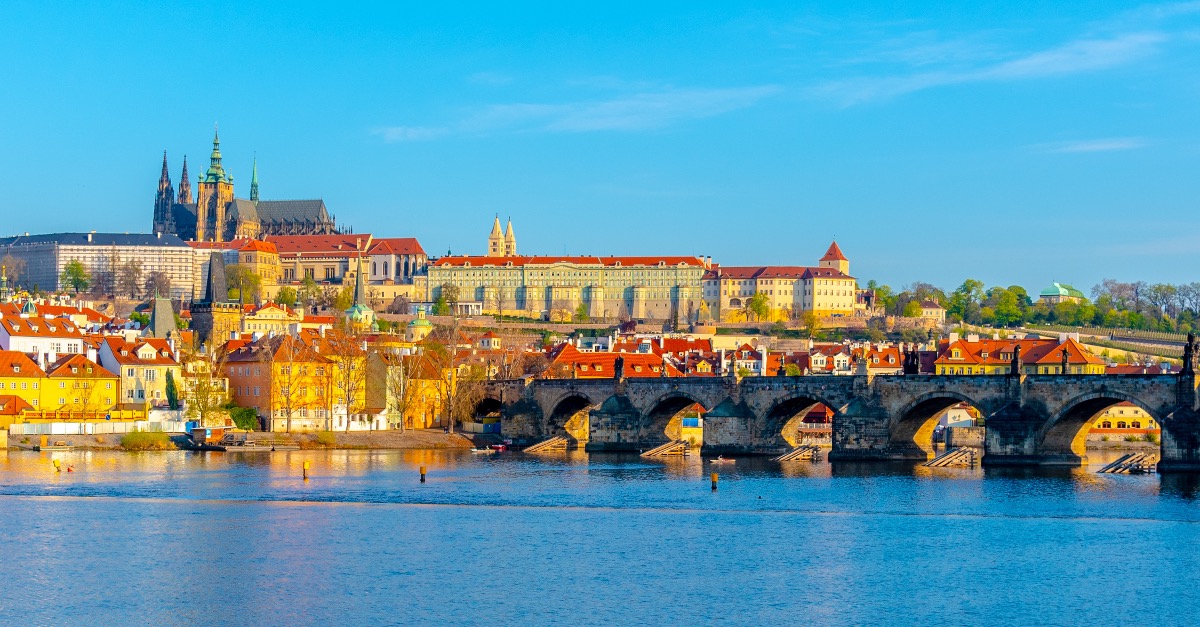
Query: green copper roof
{"x": 216, "y": 172}
{"x": 1062, "y": 289}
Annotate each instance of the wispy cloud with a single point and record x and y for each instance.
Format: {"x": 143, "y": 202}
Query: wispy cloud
{"x": 638, "y": 111}
{"x": 1074, "y": 57}
{"x": 1110, "y": 144}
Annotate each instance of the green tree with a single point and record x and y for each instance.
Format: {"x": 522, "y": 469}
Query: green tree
{"x": 792, "y": 370}
{"x": 287, "y": 296}
{"x": 75, "y": 276}
{"x": 344, "y": 298}
{"x": 172, "y": 392}
{"x": 912, "y": 310}
{"x": 309, "y": 292}
{"x": 757, "y": 306}
{"x": 965, "y": 302}
{"x": 440, "y": 306}
{"x": 581, "y": 313}
{"x": 244, "y": 282}
{"x": 1007, "y": 309}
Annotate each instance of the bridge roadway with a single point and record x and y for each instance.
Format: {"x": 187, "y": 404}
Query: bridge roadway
{"x": 1030, "y": 419}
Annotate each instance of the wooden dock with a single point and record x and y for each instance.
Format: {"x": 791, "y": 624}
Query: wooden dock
{"x": 556, "y": 444}
{"x": 961, "y": 456}
{"x": 1133, "y": 463}
{"x": 670, "y": 449}
{"x": 806, "y": 453}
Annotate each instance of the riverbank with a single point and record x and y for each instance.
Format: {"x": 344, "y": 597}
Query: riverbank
{"x": 355, "y": 440}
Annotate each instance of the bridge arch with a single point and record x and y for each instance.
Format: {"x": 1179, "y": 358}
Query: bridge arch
{"x": 910, "y": 431}
{"x": 661, "y": 421}
{"x": 568, "y": 416}
{"x": 783, "y": 425}
{"x": 1063, "y": 438}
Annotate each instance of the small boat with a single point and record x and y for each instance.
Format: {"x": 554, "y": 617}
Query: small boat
{"x": 499, "y": 447}
{"x": 482, "y": 450}
{"x": 722, "y": 460}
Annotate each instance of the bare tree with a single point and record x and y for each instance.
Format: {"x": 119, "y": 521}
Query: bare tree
{"x": 205, "y": 389}
{"x": 347, "y": 350}
{"x": 129, "y": 279}
{"x": 15, "y": 267}
{"x": 157, "y": 282}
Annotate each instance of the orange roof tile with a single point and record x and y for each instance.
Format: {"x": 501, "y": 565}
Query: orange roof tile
{"x": 834, "y": 253}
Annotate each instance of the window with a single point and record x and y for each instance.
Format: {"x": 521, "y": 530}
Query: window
{"x": 1120, "y": 424}
{"x": 62, "y": 401}
{"x": 1135, "y": 424}
{"x": 129, "y": 372}
{"x": 256, "y": 390}
{"x": 128, "y": 393}
{"x": 62, "y": 384}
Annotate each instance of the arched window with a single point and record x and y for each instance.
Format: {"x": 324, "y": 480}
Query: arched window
{"x": 1120, "y": 424}
{"x": 1135, "y": 425}
{"x": 1106, "y": 425}
{"x": 373, "y": 268}
{"x": 385, "y": 269}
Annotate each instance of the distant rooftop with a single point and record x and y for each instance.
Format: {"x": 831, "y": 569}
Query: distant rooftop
{"x": 94, "y": 239}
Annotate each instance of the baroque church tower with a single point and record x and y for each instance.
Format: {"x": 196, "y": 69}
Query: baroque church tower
{"x": 496, "y": 240}
{"x": 214, "y": 193}
{"x": 163, "y": 200}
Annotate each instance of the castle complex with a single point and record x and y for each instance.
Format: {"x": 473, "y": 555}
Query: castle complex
{"x": 217, "y": 215}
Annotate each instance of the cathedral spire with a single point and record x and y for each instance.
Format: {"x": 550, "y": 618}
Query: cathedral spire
{"x": 510, "y": 240}
{"x": 216, "y": 172}
{"x": 254, "y": 181}
{"x": 185, "y": 186}
{"x": 163, "y": 199}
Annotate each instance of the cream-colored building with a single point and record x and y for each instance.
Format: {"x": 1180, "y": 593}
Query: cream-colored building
{"x": 653, "y": 288}
{"x": 827, "y": 289}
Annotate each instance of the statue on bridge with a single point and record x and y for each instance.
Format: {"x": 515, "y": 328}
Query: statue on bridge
{"x": 1066, "y": 358}
{"x": 1189, "y": 355}
{"x": 619, "y": 368}
{"x": 1015, "y": 366}
{"x": 912, "y": 361}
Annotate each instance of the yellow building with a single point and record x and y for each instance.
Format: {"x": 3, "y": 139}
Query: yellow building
{"x": 73, "y": 387}
{"x": 789, "y": 291}
{"x": 143, "y": 366}
{"x": 271, "y": 318}
{"x": 973, "y": 355}
{"x": 413, "y": 388}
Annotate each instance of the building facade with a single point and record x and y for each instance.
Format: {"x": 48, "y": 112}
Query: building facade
{"x": 604, "y": 288}
{"x": 46, "y": 256}
{"x": 826, "y": 289}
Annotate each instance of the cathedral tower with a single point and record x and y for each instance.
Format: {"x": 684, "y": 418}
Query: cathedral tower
{"x": 185, "y": 186}
{"x": 254, "y": 182}
{"x": 163, "y": 201}
{"x": 496, "y": 240}
{"x": 510, "y": 241}
{"x": 214, "y": 193}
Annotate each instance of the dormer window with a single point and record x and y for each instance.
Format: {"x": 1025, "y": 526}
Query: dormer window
{"x": 16, "y": 367}
{"x": 956, "y": 354}
{"x": 984, "y": 354}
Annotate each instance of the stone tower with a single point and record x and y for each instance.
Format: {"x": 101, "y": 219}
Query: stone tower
{"x": 215, "y": 317}
{"x": 496, "y": 240}
{"x": 185, "y": 186}
{"x": 510, "y": 241}
{"x": 214, "y": 193}
{"x": 835, "y": 259}
{"x": 163, "y": 201}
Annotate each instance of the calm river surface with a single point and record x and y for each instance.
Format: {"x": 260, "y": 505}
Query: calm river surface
{"x": 186, "y": 538}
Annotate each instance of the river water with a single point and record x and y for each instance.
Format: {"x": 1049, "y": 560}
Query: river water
{"x": 186, "y": 538}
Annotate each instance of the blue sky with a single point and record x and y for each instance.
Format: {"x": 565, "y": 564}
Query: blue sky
{"x": 1010, "y": 142}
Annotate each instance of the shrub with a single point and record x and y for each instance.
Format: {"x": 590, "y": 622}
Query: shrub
{"x": 146, "y": 441}
{"x": 1132, "y": 438}
{"x": 1104, "y": 438}
{"x": 327, "y": 438}
{"x": 1152, "y": 438}
{"x": 244, "y": 417}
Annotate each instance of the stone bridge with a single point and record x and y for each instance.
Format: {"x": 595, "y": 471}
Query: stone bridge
{"x": 1029, "y": 419}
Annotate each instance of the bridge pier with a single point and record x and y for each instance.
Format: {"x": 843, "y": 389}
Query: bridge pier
{"x": 615, "y": 426}
{"x": 1180, "y": 443}
{"x": 862, "y": 432}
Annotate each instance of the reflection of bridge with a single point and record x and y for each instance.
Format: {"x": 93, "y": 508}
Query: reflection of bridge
{"x": 1030, "y": 420}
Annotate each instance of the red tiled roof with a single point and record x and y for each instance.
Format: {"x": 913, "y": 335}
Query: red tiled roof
{"x": 162, "y": 351}
{"x": 259, "y": 246}
{"x": 601, "y": 365}
{"x": 40, "y": 327}
{"x": 62, "y": 367}
{"x": 581, "y": 260}
{"x": 1033, "y": 351}
{"x": 12, "y": 405}
{"x": 396, "y": 246}
{"x": 11, "y": 360}
{"x": 834, "y": 253}
{"x": 320, "y": 245}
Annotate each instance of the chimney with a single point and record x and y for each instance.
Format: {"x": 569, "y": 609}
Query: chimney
{"x": 51, "y": 357}
{"x": 91, "y": 353}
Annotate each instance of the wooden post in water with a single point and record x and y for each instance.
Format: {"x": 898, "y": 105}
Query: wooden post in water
{"x": 422, "y": 474}
{"x": 57, "y": 466}
{"x": 306, "y": 466}
{"x": 714, "y": 482}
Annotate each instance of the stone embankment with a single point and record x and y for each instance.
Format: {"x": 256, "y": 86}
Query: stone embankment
{"x": 416, "y": 439}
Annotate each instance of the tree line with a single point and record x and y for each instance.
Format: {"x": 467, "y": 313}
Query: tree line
{"x": 1115, "y": 304}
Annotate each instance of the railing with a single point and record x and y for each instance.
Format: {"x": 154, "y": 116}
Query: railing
{"x": 94, "y": 428}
